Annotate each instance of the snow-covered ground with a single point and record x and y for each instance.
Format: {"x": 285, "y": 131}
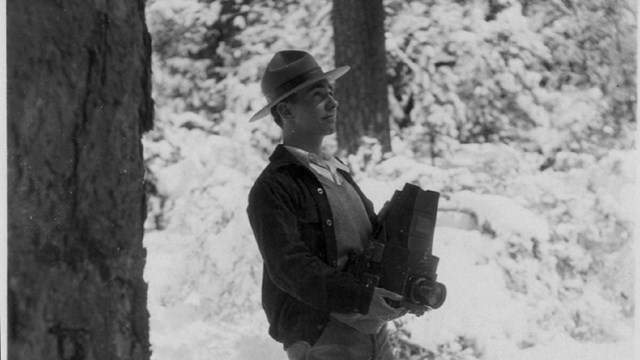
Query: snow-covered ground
{"x": 501, "y": 259}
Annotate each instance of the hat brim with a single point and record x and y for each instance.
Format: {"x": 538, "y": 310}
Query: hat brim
{"x": 330, "y": 75}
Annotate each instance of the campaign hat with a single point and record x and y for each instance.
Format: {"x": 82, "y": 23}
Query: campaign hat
{"x": 288, "y": 72}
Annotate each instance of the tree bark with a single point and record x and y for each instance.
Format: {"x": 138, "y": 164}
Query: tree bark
{"x": 78, "y": 82}
{"x": 360, "y": 43}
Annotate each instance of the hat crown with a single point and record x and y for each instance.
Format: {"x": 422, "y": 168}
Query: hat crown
{"x": 284, "y": 68}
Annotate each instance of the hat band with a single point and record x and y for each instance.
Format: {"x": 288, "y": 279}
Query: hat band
{"x": 294, "y": 82}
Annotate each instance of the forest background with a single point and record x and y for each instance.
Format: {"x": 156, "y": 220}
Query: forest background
{"x": 520, "y": 113}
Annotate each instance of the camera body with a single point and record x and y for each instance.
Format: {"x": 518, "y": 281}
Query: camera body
{"x": 399, "y": 258}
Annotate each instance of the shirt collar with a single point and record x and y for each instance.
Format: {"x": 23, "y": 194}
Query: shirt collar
{"x": 308, "y": 158}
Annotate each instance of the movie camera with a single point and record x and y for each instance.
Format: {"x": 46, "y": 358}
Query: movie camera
{"x": 399, "y": 258}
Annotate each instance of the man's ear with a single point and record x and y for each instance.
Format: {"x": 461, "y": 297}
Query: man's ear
{"x": 284, "y": 110}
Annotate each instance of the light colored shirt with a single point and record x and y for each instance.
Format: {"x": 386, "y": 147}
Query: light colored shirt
{"x": 324, "y": 165}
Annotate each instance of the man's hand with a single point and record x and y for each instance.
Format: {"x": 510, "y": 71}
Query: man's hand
{"x": 380, "y": 309}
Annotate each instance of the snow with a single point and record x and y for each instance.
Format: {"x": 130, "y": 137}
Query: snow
{"x": 561, "y": 349}
{"x": 204, "y": 270}
{"x": 500, "y": 213}
{"x": 539, "y": 264}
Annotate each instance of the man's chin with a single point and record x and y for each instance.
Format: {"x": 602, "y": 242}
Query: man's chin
{"x": 331, "y": 130}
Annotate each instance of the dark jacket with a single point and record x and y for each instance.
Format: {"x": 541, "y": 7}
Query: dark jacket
{"x": 292, "y": 222}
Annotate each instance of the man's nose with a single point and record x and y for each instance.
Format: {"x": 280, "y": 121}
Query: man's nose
{"x": 332, "y": 102}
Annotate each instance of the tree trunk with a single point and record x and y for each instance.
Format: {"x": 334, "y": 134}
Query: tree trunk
{"x": 78, "y": 81}
{"x": 360, "y": 43}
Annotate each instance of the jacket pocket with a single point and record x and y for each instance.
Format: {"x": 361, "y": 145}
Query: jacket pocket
{"x": 299, "y": 321}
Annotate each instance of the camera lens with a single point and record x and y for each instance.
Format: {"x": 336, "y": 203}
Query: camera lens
{"x": 429, "y": 293}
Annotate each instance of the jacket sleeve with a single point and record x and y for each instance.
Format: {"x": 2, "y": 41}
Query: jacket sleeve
{"x": 290, "y": 263}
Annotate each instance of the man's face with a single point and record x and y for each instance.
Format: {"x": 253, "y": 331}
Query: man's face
{"x": 314, "y": 110}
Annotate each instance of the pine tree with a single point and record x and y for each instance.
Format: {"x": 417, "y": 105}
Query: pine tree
{"x": 362, "y": 93}
{"x": 79, "y": 99}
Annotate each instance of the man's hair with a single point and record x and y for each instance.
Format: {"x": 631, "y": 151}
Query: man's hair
{"x": 276, "y": 116}
{"x": 274, "y": 109}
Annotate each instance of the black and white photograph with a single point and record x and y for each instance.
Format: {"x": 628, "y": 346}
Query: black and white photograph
{"x": 319, "y": 179}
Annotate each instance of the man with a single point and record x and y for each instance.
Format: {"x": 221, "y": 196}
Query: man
{"x": 307, "y": 215}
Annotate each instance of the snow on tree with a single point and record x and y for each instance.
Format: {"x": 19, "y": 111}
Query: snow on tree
{"x": 502, "y": 106}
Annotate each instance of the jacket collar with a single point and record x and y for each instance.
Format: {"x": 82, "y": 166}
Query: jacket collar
{"x": 281, "y": 157}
